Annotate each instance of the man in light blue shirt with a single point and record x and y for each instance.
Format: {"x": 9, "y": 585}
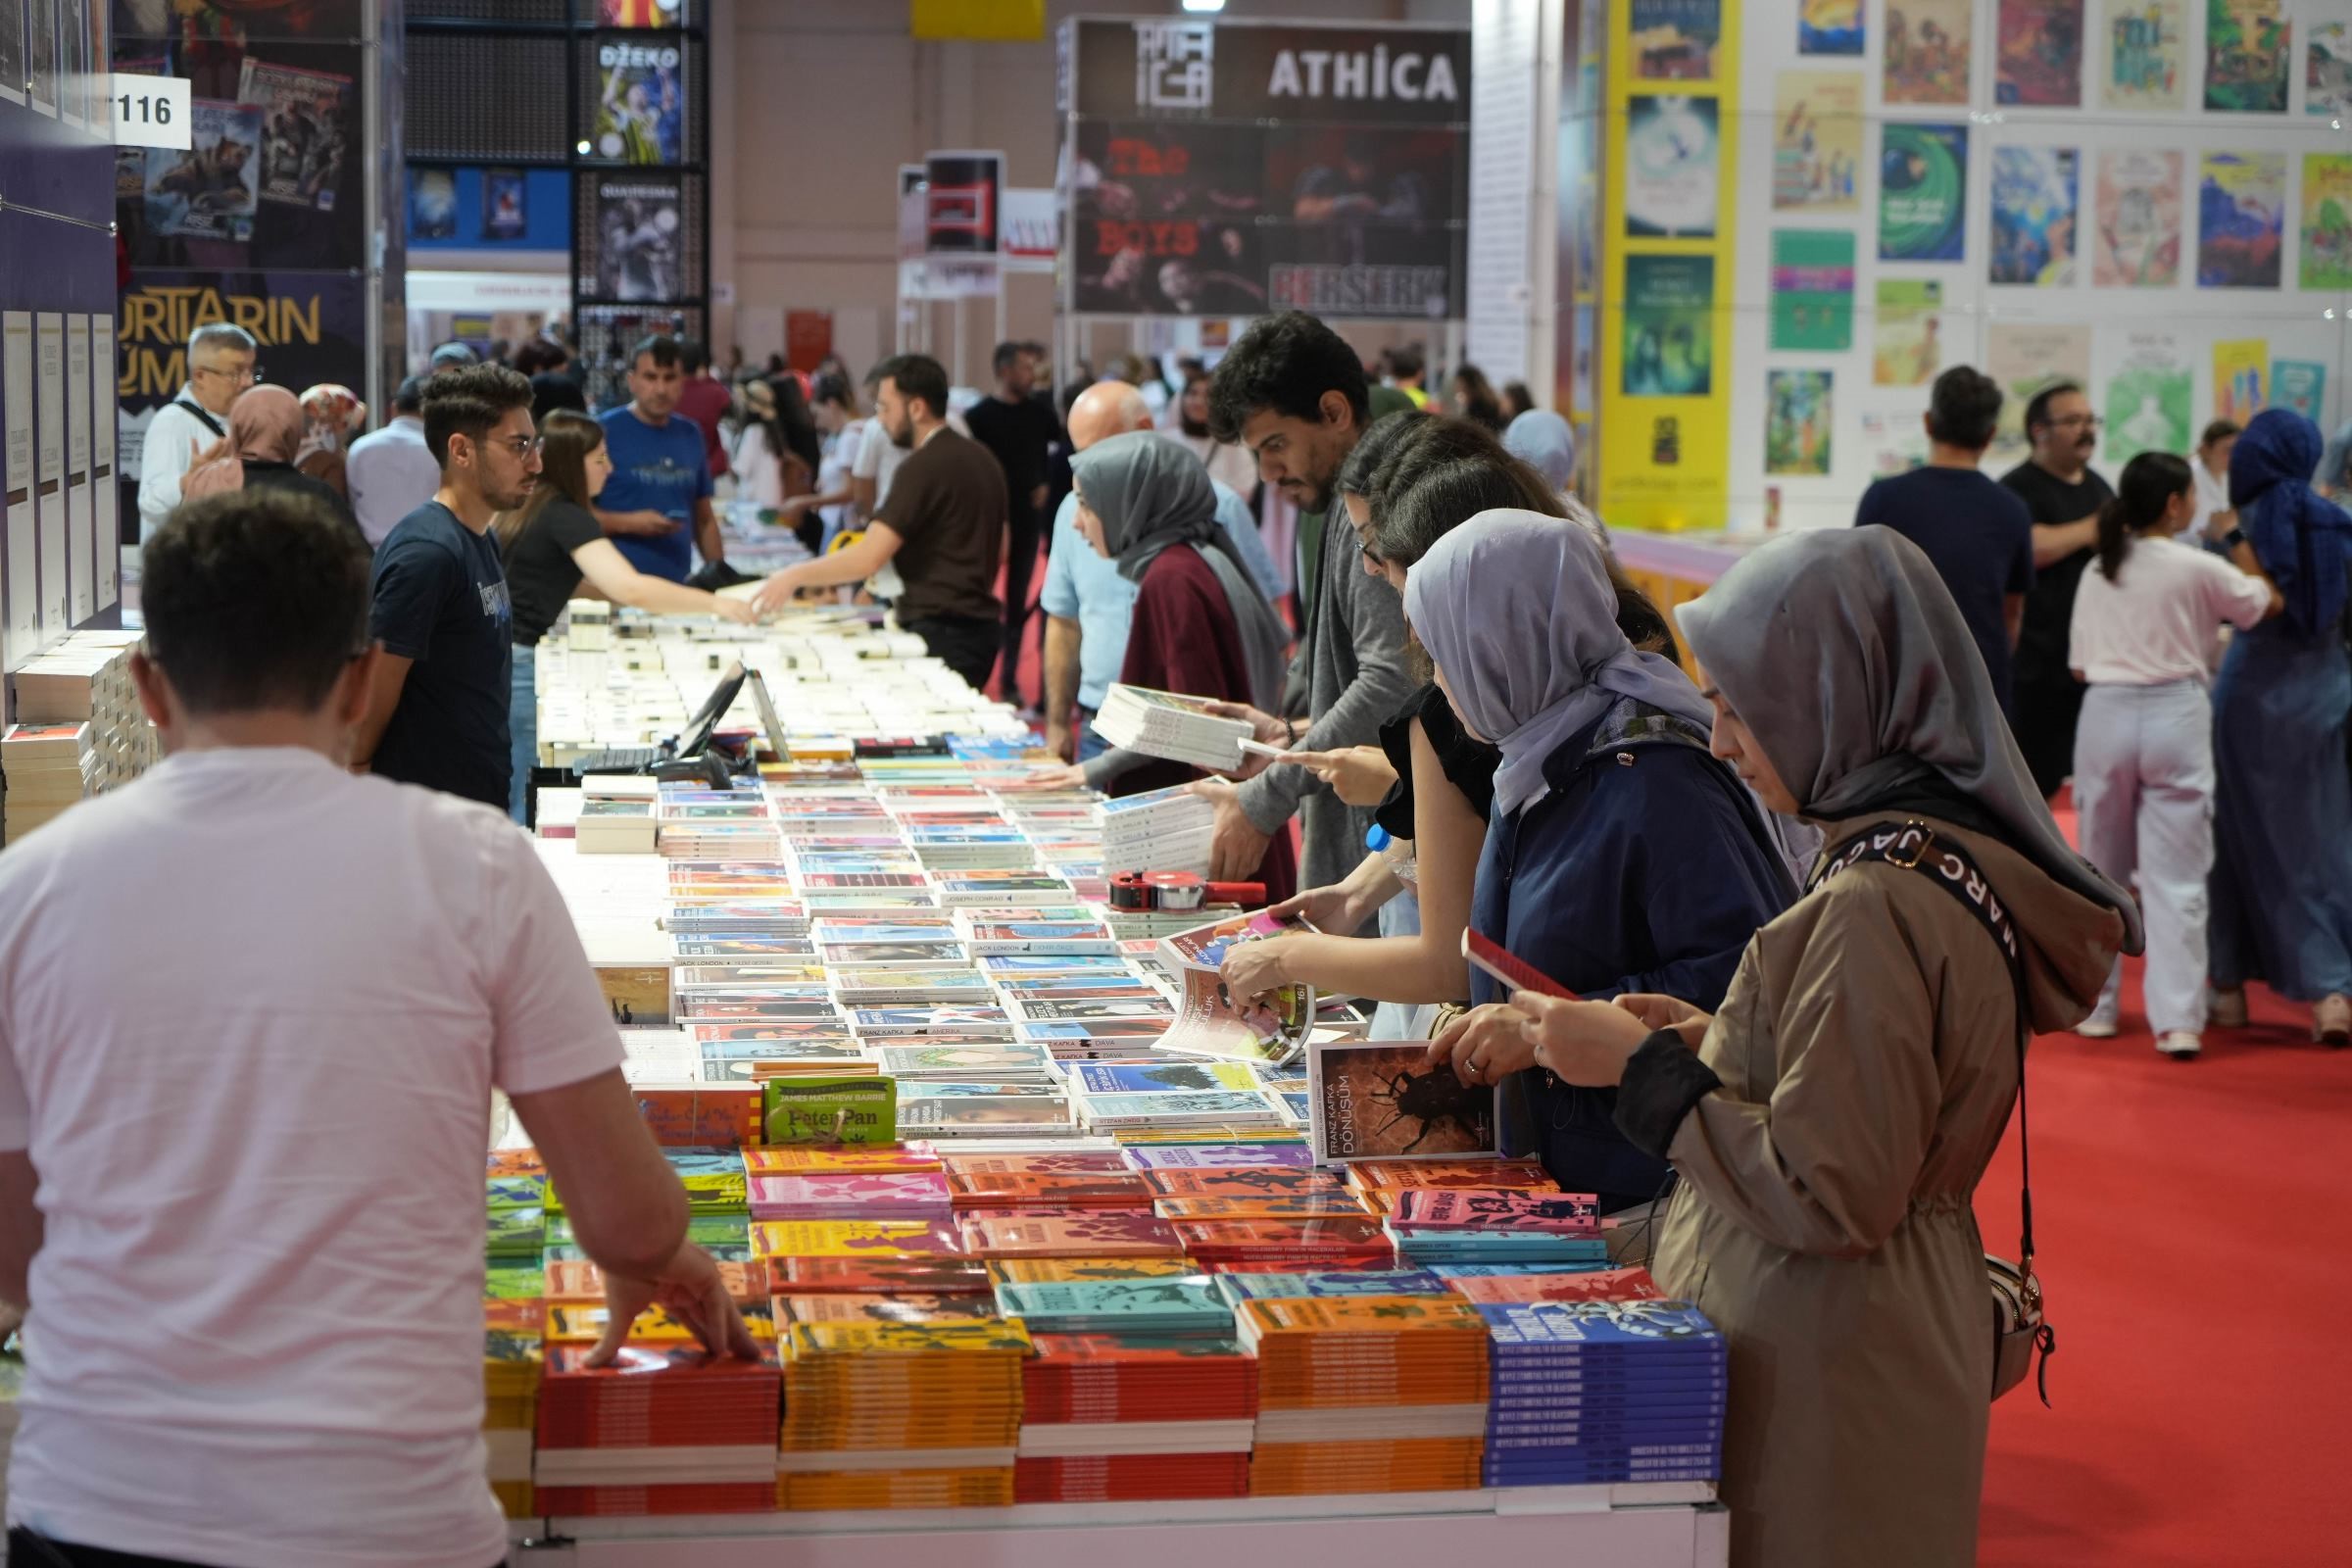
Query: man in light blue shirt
{"x": 1088, "y": 604}
{"x": 391, "y": 472}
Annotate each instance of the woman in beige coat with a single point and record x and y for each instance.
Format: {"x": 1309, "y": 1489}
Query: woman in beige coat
{"x": 1832, "y": 1126}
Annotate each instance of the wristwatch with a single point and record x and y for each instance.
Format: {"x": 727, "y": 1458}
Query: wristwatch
{"x": 2234, "y": 537}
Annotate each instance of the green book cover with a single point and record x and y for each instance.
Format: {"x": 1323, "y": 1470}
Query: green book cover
{"x": 516, "y": 1232}
{"x": 828, "y": 1111}
{"x": 514, "y": 1282}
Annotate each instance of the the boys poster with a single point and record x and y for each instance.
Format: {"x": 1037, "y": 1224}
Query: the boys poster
{"x": 2248, "y": 46}
{"x": 2241, "y": 208}
{"x": 1928, "y": 49}
{"x": 2136, "y": 228}
{"x": 2034, "y": 215}
{"x": 2039, "y": 54}
{"x": 1923, "y": 192}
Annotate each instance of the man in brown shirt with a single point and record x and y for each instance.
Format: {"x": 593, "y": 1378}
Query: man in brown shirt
{"x": 943, "y": 527}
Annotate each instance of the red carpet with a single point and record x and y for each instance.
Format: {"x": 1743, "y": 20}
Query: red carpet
{"x": 2197, "y": 1251}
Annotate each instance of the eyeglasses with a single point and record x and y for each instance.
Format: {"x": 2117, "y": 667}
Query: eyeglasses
{"x": 521, "y": 446}
{"x": 2076, "y": 421}
{"x": 243, "y": 377}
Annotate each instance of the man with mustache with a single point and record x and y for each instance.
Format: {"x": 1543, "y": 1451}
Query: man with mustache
{"x": 2063, "y": 497}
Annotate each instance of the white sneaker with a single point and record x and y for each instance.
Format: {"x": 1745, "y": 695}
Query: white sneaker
{"x": 2096, "y": 1027}
{"x": 2226, "y": 1010}
{"x": 2180, "y": 1045}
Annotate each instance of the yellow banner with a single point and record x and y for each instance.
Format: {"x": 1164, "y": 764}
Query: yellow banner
{"x": 992, "y": 21}
{"x": 1667, "y": 269}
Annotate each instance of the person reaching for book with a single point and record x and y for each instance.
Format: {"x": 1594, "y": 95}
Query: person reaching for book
{"x": 291, "y": 990}
{"x": 1843, "y": 1101}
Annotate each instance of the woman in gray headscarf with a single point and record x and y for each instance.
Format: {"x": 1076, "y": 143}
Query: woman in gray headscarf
{"x": 1831, "y": 1121}
{"x": 1200, "y": 628}
{"x": 1546, "y": 443}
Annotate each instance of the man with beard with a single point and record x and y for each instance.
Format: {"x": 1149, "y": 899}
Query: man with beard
{"x": 437, "y": 711}
{"x": 1292, "y": 391}
{"x": 2063, "y": 497}
{"x": 943, "y": 527}
{"x": 658, "y": 503}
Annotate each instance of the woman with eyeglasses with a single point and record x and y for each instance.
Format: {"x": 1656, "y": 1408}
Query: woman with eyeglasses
{"x": 552, "y": 545}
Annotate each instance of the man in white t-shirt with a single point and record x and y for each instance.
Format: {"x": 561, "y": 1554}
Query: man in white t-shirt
{"x": 251, "y": 1012}
{"x": 221, "y": 366}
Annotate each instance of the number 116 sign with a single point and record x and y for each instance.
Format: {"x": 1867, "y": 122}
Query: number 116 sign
{"x": 151, "y": 110}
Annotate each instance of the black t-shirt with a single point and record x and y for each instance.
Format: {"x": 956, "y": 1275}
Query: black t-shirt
{"x": 2041, "y": 647}
{"x": 1469, "y": 765}
{"x": 947, "y": 503}
{"x": 441, "y": 601}
{"x": 1979, "y": 538}
{"x": 540, "y": 571}
{"x": 1017, "y": 435}
{"x": 286, "y": 477}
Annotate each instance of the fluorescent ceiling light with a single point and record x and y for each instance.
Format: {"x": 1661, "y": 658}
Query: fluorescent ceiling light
{"x": 1203, "y": 5}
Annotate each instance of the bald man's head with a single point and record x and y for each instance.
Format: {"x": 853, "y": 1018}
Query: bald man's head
{"x": 1105, "y": 410}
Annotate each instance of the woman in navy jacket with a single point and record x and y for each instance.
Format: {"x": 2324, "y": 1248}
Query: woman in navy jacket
{"x": 1620, "y": 857}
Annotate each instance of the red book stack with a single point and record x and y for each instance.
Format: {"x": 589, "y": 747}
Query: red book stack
{"x": 1274, "y": 1245}
{"x": 1113, "y": 1418}
{"x": 664, "y": 1430}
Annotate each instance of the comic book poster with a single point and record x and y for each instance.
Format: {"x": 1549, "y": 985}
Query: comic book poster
{"x": 2328, "y": 68}
{"x": 641, "y": 106}
{"x": 2237, "y": 377}
{"x": 640, "y": 253}
{"x": 2326, "y": 222}
{"x": 2034, "y": 215}
{"x": 1828, "y": 26}
{"x": 1923, "y": 192}
{"x": 1816, "y": 139}
{"x": 305, "y": 131}
{"x": 2248, "y": 44}
{"x": 2147, "y": 398}
{"x": 2136, "y": 214}
{"x": 2025, "y": 357}
{"x": 2141, "y": 46}
{"x": 1906, "y": 333}
{"x": 1927, "y": 48}
{"x": 1796, "y": 421}
{"x": 2038, "y": 58}
{"x": 641, "y": 13}
{"x": 2300, "y": 385}
{"x": 1669, "y": 349}
{"x": 504, "y": 216}
{"x": 1671, "y": 166}
{"x": 1674, "y": 40}
{"x": 1812, "y": 290}
{"x": 210, "y": 190}
{"x": 2241, "y": 209}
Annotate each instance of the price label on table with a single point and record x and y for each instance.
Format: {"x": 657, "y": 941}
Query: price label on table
{"x": 151, "y": 110}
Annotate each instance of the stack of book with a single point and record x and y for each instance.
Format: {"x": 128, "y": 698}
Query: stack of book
{"x": 86, "y": 678}
{"x": 667, "y": 1429}
{"x": 1082, "y": 1179}
{"x": 889, "y": 1415}
{"x": 1433, "y": 1226}
{"x": 1103, "y": 1232}
{"x": 898, "y": 1196}
{"x": 1173, "y": 725}
{"x": 614, "y": 827}
{"x": 44, "y": 769}
{"x": 1234, "y": 1289}
{"x": 1286, "y": 1245}
{"x": 1160, "y": 830}
{"x": 511, "y": 1367}
{"x": 1366, "y": 1394}
{"x": 1593, "y": 1393}
{"x": 1183, "y": 1306}
{"x": 1123, "y": 1417}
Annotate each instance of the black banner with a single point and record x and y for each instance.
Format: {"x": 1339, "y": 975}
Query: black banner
{"x": 311, "y": 327}
{"x": 1238, "y": 72}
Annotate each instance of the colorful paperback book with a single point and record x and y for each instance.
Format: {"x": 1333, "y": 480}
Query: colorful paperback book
{"x": 871, "y": 1339}
{"x": 1114, "y": 1235}
{"x": 1037, "y": 1270}
{"x": 1210, "y": 1021}
{"x": 948, "y": 1019}
{"x": 1644, "y": 1327}
{"x": 1176, "y": 1304}
{"x": 885, "y": 1238}
{"x": 1470, "y": 1208}
{"x": 880, "y": 1159}
{"x": 1247, "y": 1182}
{"x": 1523, "y": 1174}
{"x": 1218, "y": 1157}
{"x": 995, "y": 1060}
{"x": 996, "y": 1115}
{"x": 1265, "y": 1205}
{"x": 1177, "y": 1108}
{"x": 1105, "y": 1162}
{"x": 828, "y": 1110}
{"x": 1239, "y": 1288}
{"x": 1258, "y": 1318}
{"x": 856, "y": 1307}
{"x": 1160, "y": 1077}
{"x": 870, "y": 1274}
{"x": 1383, "y": 1099}
{"x": 1598, "y": 1285}
{"x": 1335, "y": 1233}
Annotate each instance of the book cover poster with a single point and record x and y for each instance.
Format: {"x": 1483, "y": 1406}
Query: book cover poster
{"x": 1828, "y": 26}
{"x": 640, "y": 239}
{"x": 1812, "y": 290}
{"x": 2328, "y": 68}
{"x": 2024, "y": 357}
{"x": 503, "y": 215}
{"x": 2238, "y": 365}
{"x": 1796, "y": 421}
{"x": 1816, "y": 140}
{"x": 1892, "y": 443}
{"x": 1674, "y": 40}
{"x": 210, "y": 190}
{"x": 2037, "y": 60}
{"x": 2326, "y": 222}
{"x": 2148, "y": 397}
{"x": 1670, "y": 166}
{"x": 433, "y": 204}
{"x": 1928, "y": 49}
{"x": 1375, "y": 1099}
{"x": 2136, "y": 239}
{"x": 2242, "y": 210}
{"x": 2142, "y": 54}
{"x": 641, "y": 110}
{"x": 2034, "y": 215}
{"x": 1906, "y": 333}
{"x": 2300, "y": 385}
{"x": 1923, "y": 192}
{"x": 1669, "y": 349}
{"x": 2248, "y": 44}
{"x": 305, "y": 131}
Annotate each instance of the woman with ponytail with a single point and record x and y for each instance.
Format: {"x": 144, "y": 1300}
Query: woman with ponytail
{"x": 2144, "y": 625}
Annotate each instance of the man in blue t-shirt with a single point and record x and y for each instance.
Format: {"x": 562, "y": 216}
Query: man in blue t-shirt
{"x": 661, "y": 484}
{"x": 1976, "y": 534}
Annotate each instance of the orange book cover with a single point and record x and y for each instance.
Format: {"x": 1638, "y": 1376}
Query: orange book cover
{"x": 1342, "y": 1232}
{"x": 1269, "y": 1205}
{"x": 579, "y": 1280}
{"x": 1526, "y": 1175}
{"x": 1245, "y": 1181}
{"x": 880, "y": 1159}
{"x": 1360, "y": 1314}
{"x": 1101, "y": 1235}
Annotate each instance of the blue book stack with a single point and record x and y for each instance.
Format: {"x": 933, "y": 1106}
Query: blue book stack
{"x": 1426, "y": 1248}
{"x": 1236, "y": 1289}
{"x": 1602, "y": 1393}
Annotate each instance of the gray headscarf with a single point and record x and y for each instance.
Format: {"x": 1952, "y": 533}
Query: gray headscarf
{"x": 1542, "y": 440}
{"x": 1841, "y": 649}
{"x": 1150, "y": 494}
{"x": 1518, "y": 611}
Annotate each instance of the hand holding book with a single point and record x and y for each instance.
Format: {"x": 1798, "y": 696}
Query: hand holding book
{"x": 691, "y": 1289}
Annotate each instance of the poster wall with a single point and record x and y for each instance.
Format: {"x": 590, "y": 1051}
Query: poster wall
{"x": 2152, "y": 198}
